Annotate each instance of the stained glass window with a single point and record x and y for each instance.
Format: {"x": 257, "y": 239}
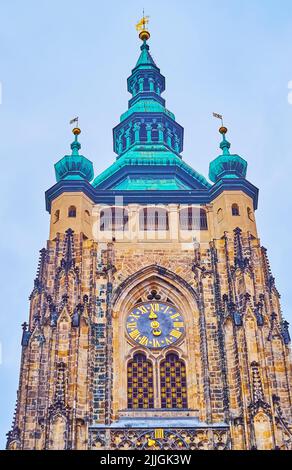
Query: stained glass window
{"x": 173, "y": 382}
{"x": 140, "y": 382}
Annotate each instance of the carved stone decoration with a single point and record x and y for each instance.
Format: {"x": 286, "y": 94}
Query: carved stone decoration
{"x": 26, "y": 334}
{"x": 98, "y": 440}
{"x": 258, "y": 394}
{"x": 59, "y": 406}
{"x": 275, "y": 331}
{"x": 59, "y": 413}
{"x": 261, "y": 412}
{"x": 161, "y": 439}
{"x": 74, "y": 388}
{"x": 58, "y": 432}
{"x": 153, "y": 295}
{"x": 13, "y": 439}
{"x": 285, "y": 332}
{"x": 240, "y": 260}
{"x": 259, "y": 314}
{"x": 283, "y": 426}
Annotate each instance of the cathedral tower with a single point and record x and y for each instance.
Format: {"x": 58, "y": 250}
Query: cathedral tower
{"x": 154, "y": 322}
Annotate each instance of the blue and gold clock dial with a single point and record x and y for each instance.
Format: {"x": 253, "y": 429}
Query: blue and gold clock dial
{"x": 155, "y": 325}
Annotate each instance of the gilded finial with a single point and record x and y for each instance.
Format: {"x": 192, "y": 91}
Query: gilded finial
{"x": 76, "y": 130}
{"x": 225, "y": 145}
{"x": 223, "y": 130}
{"x": 144, "y": 34}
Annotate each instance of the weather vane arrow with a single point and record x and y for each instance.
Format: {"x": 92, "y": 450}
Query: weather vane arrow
{"x": 219, "y": 116}
{"x": 141, "y": 25}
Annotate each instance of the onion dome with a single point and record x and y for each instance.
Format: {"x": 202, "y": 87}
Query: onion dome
{"x": 74, "y": 166}
{"x": 227, "y": 165}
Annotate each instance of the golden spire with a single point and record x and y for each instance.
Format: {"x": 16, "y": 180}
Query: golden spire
{"x": 144, "y": 34}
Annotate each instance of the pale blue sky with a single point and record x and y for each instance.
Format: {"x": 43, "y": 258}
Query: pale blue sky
{"x": 64, "y": 58}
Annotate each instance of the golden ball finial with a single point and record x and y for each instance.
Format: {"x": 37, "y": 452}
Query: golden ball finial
{"x": 144, "y": 35}
{"x": 76, "y": 131}
{"x": 223, "y": 130}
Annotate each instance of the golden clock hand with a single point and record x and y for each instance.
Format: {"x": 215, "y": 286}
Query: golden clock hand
{"x": 156, "y": 332}
{"x": 152, "y": 315}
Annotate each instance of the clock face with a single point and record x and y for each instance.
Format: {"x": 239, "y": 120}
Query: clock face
{"x": 155, "y": 325}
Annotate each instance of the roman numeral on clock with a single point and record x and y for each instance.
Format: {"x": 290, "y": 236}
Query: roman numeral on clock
{"x": 175, "y": 333}
{"x": 143, "y": 341}
{"x": 155, "y": 307}
{"x": 142, "y": 309}
{"x": 135, "y": 316}
{"x": 175, "y": 315}
{"x": 135, "y": 334}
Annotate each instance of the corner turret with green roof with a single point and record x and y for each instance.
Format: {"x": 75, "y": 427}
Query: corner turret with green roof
{"x": 74, "y": 166}
{"x": 227, "y": 165}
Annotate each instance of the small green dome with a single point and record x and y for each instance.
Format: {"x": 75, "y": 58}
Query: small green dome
{"x": 74, "y": 166}
{"x": 227, "y": 165}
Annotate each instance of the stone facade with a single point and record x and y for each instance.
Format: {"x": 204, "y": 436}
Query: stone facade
{"x": 73, "y": 378}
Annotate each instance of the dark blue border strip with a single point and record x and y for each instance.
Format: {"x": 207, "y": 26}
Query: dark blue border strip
{"x": 194, "y": 196}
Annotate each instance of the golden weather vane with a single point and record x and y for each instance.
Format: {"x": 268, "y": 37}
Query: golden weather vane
{"x": 141, "y": 26}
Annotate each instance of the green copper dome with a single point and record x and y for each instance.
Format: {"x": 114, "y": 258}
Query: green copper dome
{"x": 74, "y": 166}
{"x": 227, "y": 165}
{"x": 144, "y": 161}
{"x": 148, "y": 140}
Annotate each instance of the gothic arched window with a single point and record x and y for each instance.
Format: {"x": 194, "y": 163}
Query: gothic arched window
{"x": 220, "y": 215}
{"x": 72, "y": 211}
{"x": 56, "y": 216}
{"x": 140, "y": 382}
{"x": 153, "y": 218}
{"x": 250, "y": 214}
{"x": 173, "y": 382}
{"x": 192, "y": 218}
{"x": 114, "y": 218}
{"x": 235, "y": 209}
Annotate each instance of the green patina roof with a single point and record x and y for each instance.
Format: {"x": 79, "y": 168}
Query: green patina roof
{"x": 227, "y": 165}
{"x": 74, "y": 166}
{"x": 136, "y": 146}
{"x": 145, "y": 58}
{"x": 147, "y": 106}
{"x": 166, "y": 184}
{"x": 142, "y": 156}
